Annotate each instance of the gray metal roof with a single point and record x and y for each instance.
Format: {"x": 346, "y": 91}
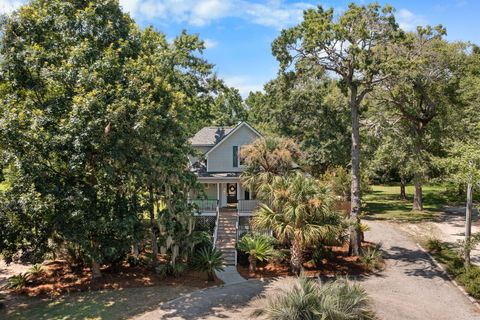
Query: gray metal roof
{"x": 210, "y": 136}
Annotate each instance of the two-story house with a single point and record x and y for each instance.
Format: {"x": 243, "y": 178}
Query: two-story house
{"x": 218, "y": 167}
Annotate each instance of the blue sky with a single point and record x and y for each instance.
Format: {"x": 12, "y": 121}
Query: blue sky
{"x": 238, "y": 33}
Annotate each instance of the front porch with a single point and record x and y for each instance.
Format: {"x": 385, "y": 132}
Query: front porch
{"x": 224, "y": 194}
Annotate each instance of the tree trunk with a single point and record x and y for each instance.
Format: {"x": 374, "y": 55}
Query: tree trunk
{"x": 403, "y": 193}
{"x": 356, "y": 201}
{"x": 153, "y": 232}
{"x": 210, "y": 276}
{"x": 468, "y": 224}
{"x": 418, "y": 198}
{"x": 252, "y": 267}
{"x": 96, "y": 272}
{"x": 296, "y": 259}
{"x": 135, "y": 250}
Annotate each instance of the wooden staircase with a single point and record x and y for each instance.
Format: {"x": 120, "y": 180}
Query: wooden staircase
{"x": 227, "y": 234}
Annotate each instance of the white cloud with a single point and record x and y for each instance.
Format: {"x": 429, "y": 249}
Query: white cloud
{"x": 409, "y": 21}
{"x": 7, "y": 6}
{"x": 210, "y": 43}
{"x": 274, "y": 13}
{"x": 244, "y": 84}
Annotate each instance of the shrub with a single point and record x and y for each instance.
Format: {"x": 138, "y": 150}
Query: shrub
{"x": 163, "y": 270}
{"x": 178, "y": 269}
{"x": 320, "y": 253}
{"x": 18, "y": 281}
{"x": 36, "y": 270}
{"x": 433, "y": 245}
{"x": 209, "y": 260}
{"x": 471, "y": 281}
{"x": 302, "y": 298}
{"x": 2, "y": 301}
{"x": 257, "y": 247}
{"x": 371, "y": 258}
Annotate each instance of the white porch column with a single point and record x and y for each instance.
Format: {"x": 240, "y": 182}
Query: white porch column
{"x": 218, "y": 194}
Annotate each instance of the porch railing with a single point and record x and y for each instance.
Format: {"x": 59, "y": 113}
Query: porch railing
{"x": 205, "y": 204}
{"x": 247, "y": 205}
{"x": 215, "y": 232}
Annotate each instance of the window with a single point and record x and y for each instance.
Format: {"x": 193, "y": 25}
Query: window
{"x": 235, "y": 156}
{"x": 247, "y": 195}
{"x": 242, "y": 162}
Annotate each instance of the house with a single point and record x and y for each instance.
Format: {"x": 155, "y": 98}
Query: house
{"x": 226, "y": 204}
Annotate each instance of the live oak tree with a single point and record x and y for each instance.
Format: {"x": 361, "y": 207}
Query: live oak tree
{"x": 307, "y": 106}
{"x": 94, "y": 125}
{"x": 351, "y": 47}
{"x": 422, "y": 90}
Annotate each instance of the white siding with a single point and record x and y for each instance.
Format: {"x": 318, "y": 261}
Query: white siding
{"x": 221, "y": 159}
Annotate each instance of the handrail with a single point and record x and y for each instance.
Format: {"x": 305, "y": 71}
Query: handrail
{"x": 236, "y": 237}
{"x": 216, "y": 225}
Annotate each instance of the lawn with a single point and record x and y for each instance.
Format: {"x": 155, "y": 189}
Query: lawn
{"x": 108, "y": 304}
{"x": 383, "y": 203}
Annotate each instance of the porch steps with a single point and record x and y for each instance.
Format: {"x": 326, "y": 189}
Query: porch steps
{"x": 227, "y": 234}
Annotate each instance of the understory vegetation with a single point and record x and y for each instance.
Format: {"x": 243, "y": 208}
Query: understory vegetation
{"x": 451, "y": 258}
{"x": 303, "y": 298}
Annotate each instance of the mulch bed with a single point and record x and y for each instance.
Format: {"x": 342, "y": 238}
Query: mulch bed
{"x": 340, "y": 264}
{"x": 59, "y": 278}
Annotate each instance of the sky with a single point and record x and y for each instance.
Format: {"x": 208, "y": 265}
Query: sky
{"x": 238, "y": 33}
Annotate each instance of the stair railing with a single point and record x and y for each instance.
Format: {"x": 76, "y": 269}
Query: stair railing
{"x": 217, "y": 220}
{"x": 236, "y": 237}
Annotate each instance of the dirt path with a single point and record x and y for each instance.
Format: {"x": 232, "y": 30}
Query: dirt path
{"x": 411, "y": 287}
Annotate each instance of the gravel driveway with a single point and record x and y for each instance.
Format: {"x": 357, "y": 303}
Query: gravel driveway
{"x": 412, "y": 287}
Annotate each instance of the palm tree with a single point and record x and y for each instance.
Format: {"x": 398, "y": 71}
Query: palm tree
{"x": 266, "y": 158}
{"x": 258, "y": 247}
{"x": 301, "y": 211}
{"x": 303, "y": 298}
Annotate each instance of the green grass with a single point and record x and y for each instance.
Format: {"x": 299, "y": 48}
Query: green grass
{"x": 453, "y": 263}
{"x": 383, "y": 203}
{"x": 111, "y": 304}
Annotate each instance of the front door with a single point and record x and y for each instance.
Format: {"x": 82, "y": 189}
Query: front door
{"x": 231, "y": 193}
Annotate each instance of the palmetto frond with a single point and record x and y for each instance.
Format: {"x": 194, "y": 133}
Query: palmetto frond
{"x": 303, "y": 298}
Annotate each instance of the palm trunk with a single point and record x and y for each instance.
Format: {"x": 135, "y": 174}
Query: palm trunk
{"x": 418, "y": 198}
{"x": 468, "y": 224}
{"x": 403, "y": 193}
{"x": 153, "y": 233}
{"x": 356, "y": 202}
{"x": 252, "y": 267}
{"x": 296, "y": 259}
{"x": 210, "y": 276}
{"x": 96, "y": 272}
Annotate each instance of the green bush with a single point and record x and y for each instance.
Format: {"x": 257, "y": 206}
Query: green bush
{"x": 257, "y": 247}
{"x": 433, "y": 245}
{"x": 209, "y": 260}
{"x": 303, "y": 298}
{"x": 371, "y": 258}
{"x": 320, "y": 253}
{"x": 18, "y": 281}
{"x": 471, "y": 281}
{"x": 36, "y": 270}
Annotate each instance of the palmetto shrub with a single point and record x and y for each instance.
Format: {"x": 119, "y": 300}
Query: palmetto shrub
{"x": 302, "y": 298}
{"x": 371, "y": 258}
{"x": 257, "y": 247}
{"x": 209, "y": 260}
{"x": 36, "y": 270}
{"x": 18, "y": 281}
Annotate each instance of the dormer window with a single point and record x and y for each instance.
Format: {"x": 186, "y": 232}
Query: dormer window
{"x": 235, "y": 156}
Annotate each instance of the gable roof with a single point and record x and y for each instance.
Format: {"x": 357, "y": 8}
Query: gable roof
{"x": 241, "y": 124}
{"x": 210, "y": 136}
